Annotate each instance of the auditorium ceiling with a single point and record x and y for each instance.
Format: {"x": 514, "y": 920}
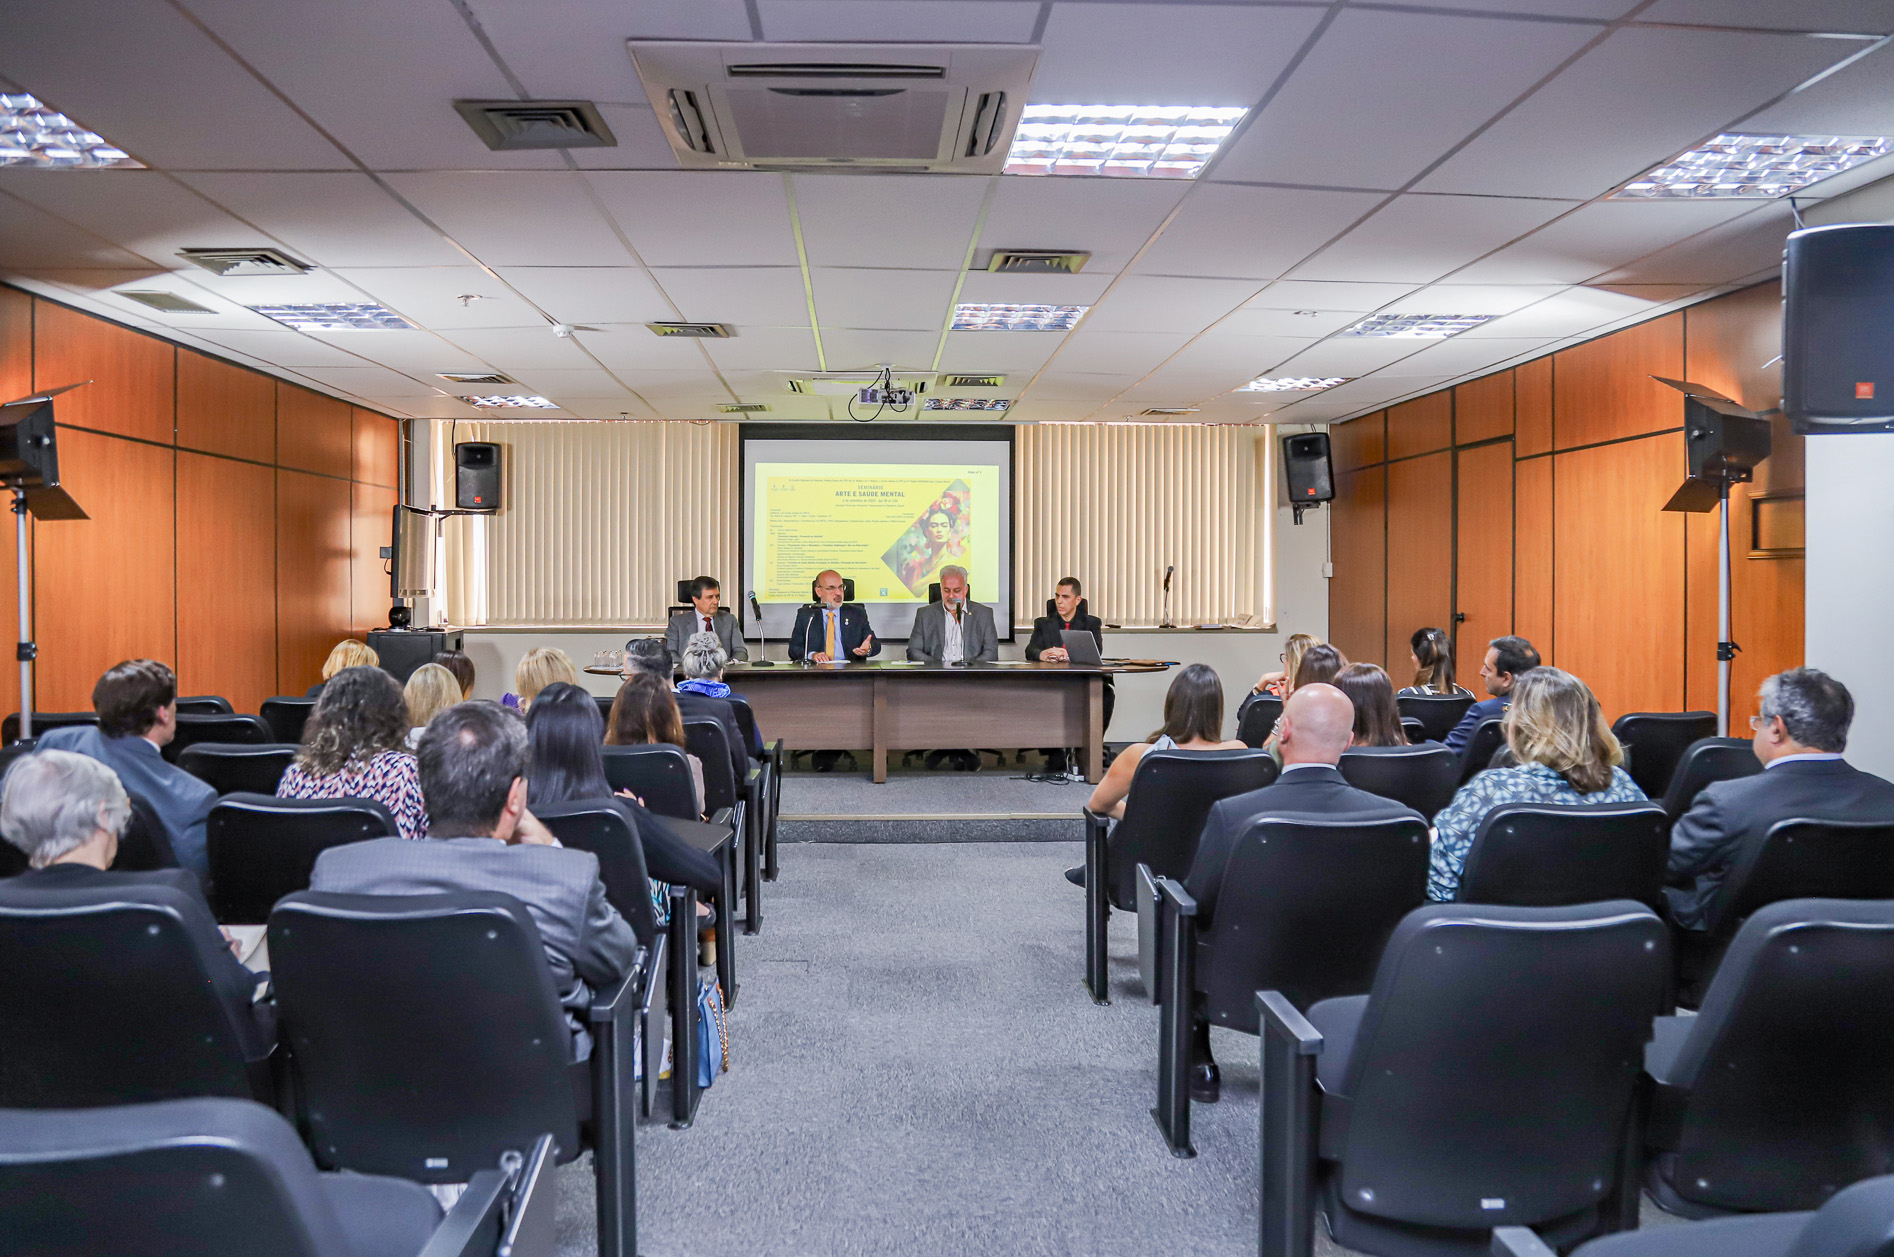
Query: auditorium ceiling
{"x": 1396, "y": 158}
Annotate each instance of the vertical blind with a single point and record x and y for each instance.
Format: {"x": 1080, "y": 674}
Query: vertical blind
{"x": 602, "y": 519}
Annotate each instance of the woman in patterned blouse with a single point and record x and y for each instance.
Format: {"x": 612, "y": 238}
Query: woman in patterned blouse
{"x": 1566, "y": 754}
{"x": 355, "y": 747}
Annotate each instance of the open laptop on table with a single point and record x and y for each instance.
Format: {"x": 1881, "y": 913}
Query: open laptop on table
{"x": 1080, "y": 647}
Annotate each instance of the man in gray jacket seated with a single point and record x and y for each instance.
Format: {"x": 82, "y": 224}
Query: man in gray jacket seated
{"x": 474, "y": 761}
{"x": 954, "y": 630}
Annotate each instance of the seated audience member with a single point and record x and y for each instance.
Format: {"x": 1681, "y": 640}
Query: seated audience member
{"x": 566, "y": 732}
{"x": 457, "y": 662}
{"x": 831, "y": 630}
{"x": 137, "y": 703}
{"x": 1282, "y": 682}
{"x": 1799, "y": 735}
{"x": 1317, "y": 725}
{"x": 703, "y": 661}
{"x": 1432, "y": 652}
{"x": 1506, "y": 658}
{"x": 347, "y": 653}
{"x": 1563, "y": 752}
{"x": 429, "y": 692}
{"x": 1320, "y": 664}
{"x": 955, "y": 629}
{"x": 66, "y": 812}
{"x": 708, "y": 617}
{"x": 650, "y": 656}
{"x": 1377, "y": 719}
{"x": 481, "y": 837}
{"x": 355, "y": 746}
{"x": 1048, "y": 647}
{"x": 645, "y": 714}
{"x": 537, "y": 669}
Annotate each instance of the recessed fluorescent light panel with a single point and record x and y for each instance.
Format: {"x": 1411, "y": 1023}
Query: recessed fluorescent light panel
{"x": 1119, "y": 141}
{"x": 1293, "y": 384}
{"x": 359, "y": 316}
{"x": 1415, "y": 326}
{"x": 967, "y": 403}
{"x": 33, "y": 135}
{"x": 516, "y": 401}
{"x": 1016, "y": 318}
{"x": 1754, "y": 167}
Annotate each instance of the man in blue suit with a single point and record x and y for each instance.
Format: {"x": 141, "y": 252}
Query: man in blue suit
{"x": 830, "y": 631}
{"x": 1506, "y": 658}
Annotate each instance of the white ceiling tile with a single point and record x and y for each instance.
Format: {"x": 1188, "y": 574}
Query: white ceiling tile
{"x": 1184, "y": 386}
{"x": 1092, "y": 352}
{"x": 1597, "y": 237}
{"x": 1256, "y": 232}
{"x": 920, "y": 221}
{"x": 518, "y": 349}
{"x": 369, "y": 381}
{"x": 1349, "y": 356}
{"x": 148, "y": 213}
{"x": 634, "y": 346}
{"x": 1721, "y": 255}
{"x": 1081, "y": 289}
{"x": 1421, "y": 238}
{"x": 758, "y": 296}
{"x": 1034, "y": 409}
{"x": 431, "y": 295}
{"x": 933, "y": 21}
{"x": 1014, "y": 352}
{"x": 659, "y": 386}
{"x": 1304, "y": 325}
{"x": 1243, "y": 354}
{"x": 1569, "y": 313}
{"x": 591, "y": 294}
{"x": 423, "y": 407}
{"x": 701, "y": 217}
{"x": 333, "y": 218}
{"x": 420, "y": 355}
{"x": 848, "y": 349}
{"x": 1074, "y": 386}
{"x": 914, "y": 300}
{"x": 641, "y": 141}
{"x": 224, "y": 314}
{"x": 1458, "y": 356}
{"x": 1856, "y": 101}
{"x": 1473, "y": 298}
{"x": 1110, "y": 218}
{"x": 1861, "y": 16}
{"x": 560, "y": 382}
{"x": 1639, "y": 98}
{"x": 1166, "y": 54}
{"x": 1156, "y": 303}
{"x": 588, "y": 59}
{"x": 311, "y": 288}
{"x": 32, "y": 238}
{"x": 507, "y": 218}
{"x": 1597, "y": 9}
{"x": 1325, "y": 297}
{"x": 765, "y": 348}
{"x": 284, "y": 348}
{"x": 1348, "y": 115}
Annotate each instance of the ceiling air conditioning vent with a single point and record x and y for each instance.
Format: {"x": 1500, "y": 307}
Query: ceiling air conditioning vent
{"x": 475, "y": 377}
{"x": 508, "y": 125}
{"x": 972, "y": 381}
{"x": 705, "y": 331}
{"x": 1159, "y": 412}
{"x": 169, "y": 302}
{"x": 742, "y": 408}
{"x": 1037, "y": 262}
{"x": 860, "y": 107}
{"x": 232, "y": 263}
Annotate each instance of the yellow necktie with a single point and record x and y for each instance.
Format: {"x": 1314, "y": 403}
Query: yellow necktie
{"x": 828, "y": 618}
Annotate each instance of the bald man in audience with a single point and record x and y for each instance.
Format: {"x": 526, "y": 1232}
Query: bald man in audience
{"x": 1316, "y": 726}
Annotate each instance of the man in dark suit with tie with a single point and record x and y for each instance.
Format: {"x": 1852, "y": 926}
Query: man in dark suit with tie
{"x": 832, "y": 631}
{"x": 1316, "y": 726}
{"x": 1799, "y": 736}
{"x": 706, "y": 616}
{"x": 1506, "y": 658}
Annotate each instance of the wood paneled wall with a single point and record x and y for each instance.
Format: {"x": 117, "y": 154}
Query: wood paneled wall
{"x": 1528, "y": 501}
{"x": 236, "y": 520}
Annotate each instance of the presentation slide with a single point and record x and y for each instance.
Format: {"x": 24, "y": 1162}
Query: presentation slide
{"x": 887, "y": 514}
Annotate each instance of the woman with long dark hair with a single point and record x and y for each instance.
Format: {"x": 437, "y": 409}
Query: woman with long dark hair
{"x": 1193, "y": 721}
{"x": 355, "y": 746}
{"x": 1377, "y": 719}
{"x": 1432, "y": 652}
{"x": 645, "y": 713}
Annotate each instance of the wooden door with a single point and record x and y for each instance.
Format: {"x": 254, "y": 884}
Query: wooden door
{"x": 1483, "y": 554}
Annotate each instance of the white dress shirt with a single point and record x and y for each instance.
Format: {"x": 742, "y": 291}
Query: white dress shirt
{"x": 953, "y": 646}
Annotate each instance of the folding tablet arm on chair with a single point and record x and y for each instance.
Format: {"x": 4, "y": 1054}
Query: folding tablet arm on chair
{"x": 1097, "y": 906}
{"x": 613, "y": 1017}
{"x": 683, "y": 997}
{"x": 1519, "y": 1241}
{"x": 507, "y": 1212}
{"x": 1290, "y": 1046}
{"x": 1176, "y": 982}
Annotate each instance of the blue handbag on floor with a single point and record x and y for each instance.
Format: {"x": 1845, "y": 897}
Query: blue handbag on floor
{"x": 713, "y": 1033}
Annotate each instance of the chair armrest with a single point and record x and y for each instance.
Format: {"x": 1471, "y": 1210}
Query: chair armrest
{"x": 472, "y": 1227}
{"x": 1181, "y": 901}
{"x": 530, "y": 1229}
{"x": 611, "y": 1004}
{"x": 653, "y": 971}
{"x": 722, "y": 816}
{"x": 1519, "y": 1241}
{"x": 1101, "y": 820}
{"x": 1278, "y": 1017}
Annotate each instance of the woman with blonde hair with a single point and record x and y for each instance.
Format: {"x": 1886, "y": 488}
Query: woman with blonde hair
{"x": 347, "y": 653}
{"x": 430, "y": 691}
{"x": 1566, "y": 754}
{"x": 1282, "y": 682}
{"x": 537, "y": 669}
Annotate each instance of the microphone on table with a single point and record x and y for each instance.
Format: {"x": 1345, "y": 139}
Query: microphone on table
{"x": 762, "y": 635}
{"x": 1168, "y": 569}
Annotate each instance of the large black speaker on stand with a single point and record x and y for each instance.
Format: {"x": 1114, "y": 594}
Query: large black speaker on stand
{"x": 402, "y": 652}
{"x": 477, "y": 476}
{"x": 1838, "y": 328}
{"x": 1305, "y": 465}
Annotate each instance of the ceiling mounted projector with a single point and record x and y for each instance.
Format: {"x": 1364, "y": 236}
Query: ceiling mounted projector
{"x": 855, "y": 107}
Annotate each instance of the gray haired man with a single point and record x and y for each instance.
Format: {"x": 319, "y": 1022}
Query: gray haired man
{"x": 955, "y": 629}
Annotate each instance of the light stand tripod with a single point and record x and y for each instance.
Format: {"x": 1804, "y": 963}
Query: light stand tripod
{"x": 29, "y": 466}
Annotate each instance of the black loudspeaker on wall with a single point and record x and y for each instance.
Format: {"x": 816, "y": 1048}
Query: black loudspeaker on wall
{"x": 1305, "y": 462}
{"x": 1838, "y": 328}
{"x": 476, "y": 476}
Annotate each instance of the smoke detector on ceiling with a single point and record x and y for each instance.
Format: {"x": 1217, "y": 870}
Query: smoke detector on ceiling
{"x": 510, "y": 125}
{"x": 1037, "y": 262}
{"x": 705, "y": 331}
{"x": 234, "y": 263}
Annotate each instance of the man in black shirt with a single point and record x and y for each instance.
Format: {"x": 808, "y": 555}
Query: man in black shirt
{"x": 1048, "y": 647}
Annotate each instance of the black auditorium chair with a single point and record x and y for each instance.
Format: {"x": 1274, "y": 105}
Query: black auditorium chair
{"x": 1655, "y": 740}
{"x": 1412, "y": 730}
{"x": 44, "y": 722}
{"x": 228, "y": 1178}
{"x": 204, "y": 705}
{"x": 14, "y": 749}
{"x": 286, "y": 716}
{"x": 1171, "y": 795}
{"x": 704, "y": 738}
{"x": 1856, "y": 1221}
{"x": 1305, "y": 908}
{"x": 1437, "y": 713}
{"x": 255, "y": 768}
{"x": 1260, "y": 713}
{"x": 262, "y": 847}
{"x": 1543, "y": 855}
{"x": 1488, "y": 737}
{"x": 1487, "y": 1079}
{"x": 1781, "y": 1089}
{"x": 1705, "y": 761}
{"x": 146, "y": 843}
{"x": 428, "y": 1042}
{"x": 1422, "y": 776}
{"x": 109, "y": 999}
{"x": 657, "y": 773}
{"x": 248, "y": 730}
{"x": 768, "y": 783}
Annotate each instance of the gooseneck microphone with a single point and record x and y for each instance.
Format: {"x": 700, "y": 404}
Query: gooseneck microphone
{"x": 762, "y": 635}
{"x": 1166, "y": 622}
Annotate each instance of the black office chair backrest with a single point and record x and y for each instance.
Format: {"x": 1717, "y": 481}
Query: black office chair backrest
{"x": 1260, "y": 714}
{"x": 286, "y": 717}
{"x": 1546, "y": 855}
{"x": 248, "y": 730}
{"x": 427, "y": 1037}
{"x": 1488, "y": 736}
{"x": 1052, "y": 608}
{"x": 704, "y": 738}
{"x": 1806, "y": 859}
{"x": 933, "y": 592}
{"x": 1499, "y": 1049}
{"x": 746, "y": 721}
{"x": 146, "y": 843}
{"x": 1172, "y": 793}
{"x": 599, "y": 826}
{"x": 108, "y": 1000}
{"x": 45, "y": 721}
{"x": 658, "y": 774}
{"x": 1705, "y": 761}
{"x": 1656, "y": 741}
{"x": 848, "y": 590}
{"x": 204, "y": 705}
{"x": 1305, "y": 908}
{"x": 236, "y": 766}
{"x": 1412, "y": 730}
{"x": 1424, "y": 777}
{"x": 1437, "y": 713}
{"x": 263, "y": 847}
{"x": 1789, "y": 1064}
{"x": 209, "y": 1177}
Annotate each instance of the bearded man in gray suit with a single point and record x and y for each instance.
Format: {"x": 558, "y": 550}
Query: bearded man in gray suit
{"x": 954, "y": 630}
